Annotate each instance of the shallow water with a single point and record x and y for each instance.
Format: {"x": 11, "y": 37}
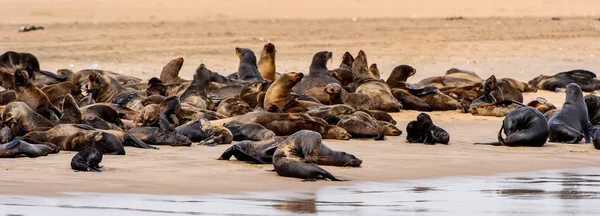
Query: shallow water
{"x": 553, "y": 192}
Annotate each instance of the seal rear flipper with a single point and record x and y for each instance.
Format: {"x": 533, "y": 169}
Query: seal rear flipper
{"x": 55, "y": 76}
{"x": 13, "y": 144}
{"x": 133, "y": 141}
{"x": 584, "y": 74}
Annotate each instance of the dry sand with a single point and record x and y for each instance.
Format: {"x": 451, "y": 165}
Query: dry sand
{"x": 509, "y": 39}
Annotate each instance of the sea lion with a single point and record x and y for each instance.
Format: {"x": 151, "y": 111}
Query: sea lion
{"x": 250, "y": 131}
{"x": 148, "y": 116}
{"x": 571, "y": 124}
{"x": 170, "y": 72}
{"x": 21, "y": 119}
{"x": 424, "y": 131}
{"x": 261, "y": 152}
{"x": 163, "y": 134}
{"x": 6, "y": 135}
{"x": 464, "y": 74}
{"x": 376, "y": 89}
{"x": 71, "y": 112}
{"x": 247, "y": 70}
{"x": 497, "y": 100}
{"x": 196, "y": 94}
{"x": 343, "y": 74}
{"x": 57, "y": 92}
{"x": 105, "y": 142}
{"x": 592, "y": 103}
{"x": 17, "y": 148}
{"x": 542, "y": 105}
{"x": 318, "y": 74}
{"x": 87, "y": 160}
{"x": 156, "y": 86}
{"x": 279, "y": 94}
{"x": 102, "y": 116}
{"x": 7, "y": 96}
{"x": 361, "y": 125}
{"x": 431, "y": 95}
{"x": 524, "y": 127}
{"x": 338, "y": 95}
{"x": 250, "y": 92}
{"x": 297, "y": 156}
{"x": 400, "y": 73}
{"x": 466, "y": 93}
{"x": 34, "y": 97}
{"x": 105, "y": 89}
{"x": 153, "y": 99}
{"x": 266, "y": 63}
{"x": 217, "y": 135}
{"x": 375, "y": 71}
{"x": 409, "y": 101}
{"x": 86, "y": 101}
{"x": 388, "y": 129}
{"x": 81, "y": 78}
{"x": 585, "y": 79}
{"x": 497, "y": 109}
{"x": 233, "y": 106}
{"x": 283, "y": 124}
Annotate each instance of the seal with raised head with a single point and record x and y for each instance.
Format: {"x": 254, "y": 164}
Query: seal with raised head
{"x": 196, "y": 94}
{"x": 34, "y": 97}
{"x": 297, "y": 157}
{"x": 247, "y": 70}
{"x": 343, "y": 74}
{"x": 279, "y": 94}
{"x": 266, "y": 63}
{"x": 250, "y": 93}
{"x": 17, "y": 148}
{"x": 424, "y": 131}
{"x": 376, "y": 89}
{"x": 71, "y": 112}
{"x": 318, "y": 74}
{"x": 524, "y": 127}
{"x": 585, "y": 79}
{"x": 375, "y": 71}
{"x": 21, "y": 119}
{"x": 87, "y": 160}
{"x": 170, "y": 72}
{"x": 399, "y": 75}
{"x": 570, "y": 124}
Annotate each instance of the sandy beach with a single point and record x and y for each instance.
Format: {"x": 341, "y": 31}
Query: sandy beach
{"x": 508, "y": 39}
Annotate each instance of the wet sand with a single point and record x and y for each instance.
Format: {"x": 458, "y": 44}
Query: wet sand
{"x": 506, "y": 43}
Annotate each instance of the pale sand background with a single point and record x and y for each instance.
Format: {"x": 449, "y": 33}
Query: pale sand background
{"x": 508, "y": 38}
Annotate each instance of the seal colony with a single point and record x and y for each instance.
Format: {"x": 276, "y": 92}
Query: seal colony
{"x": 275, "y": 118}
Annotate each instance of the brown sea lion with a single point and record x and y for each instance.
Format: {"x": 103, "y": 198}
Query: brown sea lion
{"x": 498, "y": 99}
{"x": 361, "y": 125}
{"x": 435, "y": 99}
{"x": 550, "y": 113}
{"x": 87, "y": 160}
{"x": 34, "y": 97}
{"x": 585, "y": 79}
{"x": 497, "y": 109}
{"x": 446, "y": 81}
{"x": 217, "y": 135}
{"x": 57, "y": 92}
{"x": 344, "y": 73}
{"x": 389, "y": 129}
{"x": 7, "y": 96}
{"x": 102, "y": 116}
{"x": 249, "y": 131}
{"x": 21, "y": 119}
{"x": 231, "y": 107}
{"x": 570, "y": 124}
{"x": 106, "y": 89}
{"x": 542, "y": 105}
{"x": 196, "y": 94}
{"x": 338, "y": 95}
{"x": 163, "y": 134}
{"x": 284, "y": 124}
{"x": 157, "y": 87}
{"x": 247, "y": 70}
{"x": 297, "y": 156}
{"x": 106, "y": 143}
{"x": 467, "y": 93}
{"x": 375, "y": 71}
{"x": 424, "y": 131}
{"x": 279, "y": 94}
{"x": 464, "y": 74}
{"x": 81, "y": 78}
{"x": 376, "y": 89}
{"x": 318, "y": 76}
{"x": 250, "y": 92}
{"x": 17, "y": 148}
{"x": 70, "y": 111}
{"x": 148, "y": 116}
{"x": 409, "y": 101}
{"x": 266, "y": 63}
{"x": 399, "y": 75}
{"x": 170, "y": 72}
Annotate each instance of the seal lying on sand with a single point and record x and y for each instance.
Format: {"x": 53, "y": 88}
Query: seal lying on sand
{"x": 250, "y": 131}
{"x": 585, "y": 79}
{"x": 21, "y": 119}
{"x": 570, "y": 124}
{"x": 424, "y": 131}
{"x": 524, "y": 127}
{"x": 297, "y": 156}
{"x": 87, "y": 160}
{"x": 19, "y": 147}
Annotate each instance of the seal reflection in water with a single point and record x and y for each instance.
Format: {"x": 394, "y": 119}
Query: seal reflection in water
{"x": 297, "y": 156}
{"x": 570, "y": 124}
{"x": 424, "y": 131}
{"x": 524, "y": 127}
{"x": 88, "y": 159}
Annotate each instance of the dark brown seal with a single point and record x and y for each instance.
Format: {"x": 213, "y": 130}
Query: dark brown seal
{"x": 57, "y": 92}
{"x": 585, "y": 79}
{"x": 361, "y": 125}
{"x": 318, "y": 74}
{"x": 247, "y": 70}
{"x": 87, "y": 160}
{"x": 105, "y": 89}
{"x": 196, "y": 94}
{"x": 524, "y": 127}
{"x": 250, "y": 93}
{"x": 12, "y": 61}
{"x": 376, "y": 89}
{"x": 343, "y": 74}
{"x": 570, "y": 124}
{"x": 34, "y": 97}
{"x": 297, "y": 157}
{"x": 424, "y": 131}
{"x": 399, "y": 75}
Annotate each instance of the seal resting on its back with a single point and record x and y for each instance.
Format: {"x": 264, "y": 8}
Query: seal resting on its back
{"x": 297, "y": 156}
{"x": 424, "y": 131}
{"x": 524, "y": 127}
{"x": 570, "y": 124}
{"x": 376, "y": 89}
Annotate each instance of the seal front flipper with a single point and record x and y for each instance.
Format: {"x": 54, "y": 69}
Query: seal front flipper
{"x": 133, "y": 141}
{"x": 13, "y": 144}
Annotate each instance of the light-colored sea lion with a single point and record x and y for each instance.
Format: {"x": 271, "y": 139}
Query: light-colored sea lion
{"x": 376, "y": 89}
{"x": 170, "y": 72}
{"x": 148, "y": 116}
{"x": 424, "y": 131}
{"x": 338, "y": 95}
{"x": 446, "y": 81}
{"x": 21, "y": 119}
{"x": 585, "y": 79}
{"x": 388, "y": 129}
{"x": 297, "y": 156}
{"x": 233, "y": 106}
{"x": 87, "y": 160}
{"x": 57, "y": 92}
{"x": 81, "y": 78}
{"x": 217, "y": 135}
{"x": 361, "y": 125}
{"x": 105, "y": 142}
{"x": 571, "y": 124}
{"x": 318, "y": 74}
{"x": 247, "y": 70}
{"x": 266, "y": 63}
{"x": 279, "y": 94}
{"x": 196, "y": 94}
{"x": 524, "y": 127}
{"x": 17, "y": 148}
{"x": 34, "y": 98}
{"x": 343, "y": 74}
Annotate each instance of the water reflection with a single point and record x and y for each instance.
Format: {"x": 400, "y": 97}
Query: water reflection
{"x": 572, "y": 192}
